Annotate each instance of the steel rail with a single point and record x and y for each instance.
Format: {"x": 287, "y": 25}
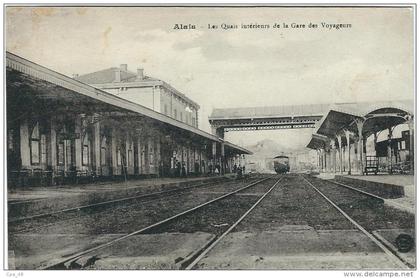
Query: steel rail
{"x": 394, "y": 258}
{"x": 357, "y": 190}
{"x": 70, "y": 218}
{"x": 209, "y": 248}
{"x": 385, "y": 201}
{"x": 84, "y": 252}
{"x": 20, "y": 219}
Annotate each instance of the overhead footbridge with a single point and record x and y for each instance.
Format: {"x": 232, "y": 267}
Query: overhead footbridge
{"x": 266, "y": 118}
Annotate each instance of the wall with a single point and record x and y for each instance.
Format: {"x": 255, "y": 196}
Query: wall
{"x": 157, "y": 98}
{"x": 174, "y": 104}
{"x": 146, "y": 96}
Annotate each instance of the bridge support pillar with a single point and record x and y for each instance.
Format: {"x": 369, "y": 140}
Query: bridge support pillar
{"x": 218, "y": 131}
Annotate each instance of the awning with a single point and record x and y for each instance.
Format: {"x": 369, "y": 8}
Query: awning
{"x": 377, "y": 116}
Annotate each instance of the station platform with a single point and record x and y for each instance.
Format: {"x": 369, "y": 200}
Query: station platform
{"x": 397, "y": 190}
{"x": 29, "y": 201}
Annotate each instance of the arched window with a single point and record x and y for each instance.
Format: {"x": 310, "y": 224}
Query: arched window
{"x": 35, "y": 145}
{"x": 85, "y": 150}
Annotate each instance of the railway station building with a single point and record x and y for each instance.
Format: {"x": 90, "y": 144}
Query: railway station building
{"x": 364, "y": 138}
{"x": 62, "y": 130}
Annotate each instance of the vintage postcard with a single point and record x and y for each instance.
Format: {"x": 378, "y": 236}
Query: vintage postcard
{"x": 210, "y": 137}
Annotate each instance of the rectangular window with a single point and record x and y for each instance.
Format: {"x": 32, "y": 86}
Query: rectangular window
{"x": 166, "y": 109}
{"x": 180, "y": 116}
{"x": 403, "y": 145}
{"x": 175, "y": 114}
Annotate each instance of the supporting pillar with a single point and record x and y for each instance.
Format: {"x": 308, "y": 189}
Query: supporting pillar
{"x": 327, "y": 159}
{"x": 364, "y": 151}
{"x": 375, "y": 140}
{"x": 114, "y": 151}
{"x": 139, "y": 154}
{"x": 333, "y": 156}
{"x": 359, "y": 124}
{"x": 340, "y": 153}
{"x": 349, "y": 149}
{"x": 53, "y": 147}
{"x": 97, "y": 146}
{"x": 389, "y": 150}
{"x": 410, "y": 123}
{"x": 214, "y": 151}
{"x": 78, "y": 142}
{"x": 24, "y": 144}
{"x": 318, "y": 152}
{"x": 222, "y": 159}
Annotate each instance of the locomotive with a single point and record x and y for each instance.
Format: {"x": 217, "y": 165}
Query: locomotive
{"x": 281, "y": 164}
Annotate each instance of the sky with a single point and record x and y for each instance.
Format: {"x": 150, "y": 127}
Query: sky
{"x": 371, "y": 61}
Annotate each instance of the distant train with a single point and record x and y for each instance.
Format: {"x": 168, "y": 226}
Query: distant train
{"x": 281, "y": 164}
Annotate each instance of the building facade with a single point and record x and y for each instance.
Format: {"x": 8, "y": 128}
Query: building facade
{"x": 144, "y": 90}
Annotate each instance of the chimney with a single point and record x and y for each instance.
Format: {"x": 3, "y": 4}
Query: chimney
{"x": 117, "y": 77}
{"x": 123, "y": 67}
{"x": 140, "y": 74}
{"x": 75, "y": 75}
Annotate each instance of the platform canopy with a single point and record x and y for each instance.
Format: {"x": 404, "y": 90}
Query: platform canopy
{"x": 32, "y": 88}
{"x": 375, "y": 116}
{"x": 234, "y": 149}
{"x": 318, "y": 141}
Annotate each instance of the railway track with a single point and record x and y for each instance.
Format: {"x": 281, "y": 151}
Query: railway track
{"x": 231, "y": 209}
{"x": 394, "y": 257}
{"x": 212, "y": 258}
{"x": 27, "y": 224}
{"x": 205, "y": 251}
{"x": 109, "y": 202}
{"x": 162, "y": 225}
